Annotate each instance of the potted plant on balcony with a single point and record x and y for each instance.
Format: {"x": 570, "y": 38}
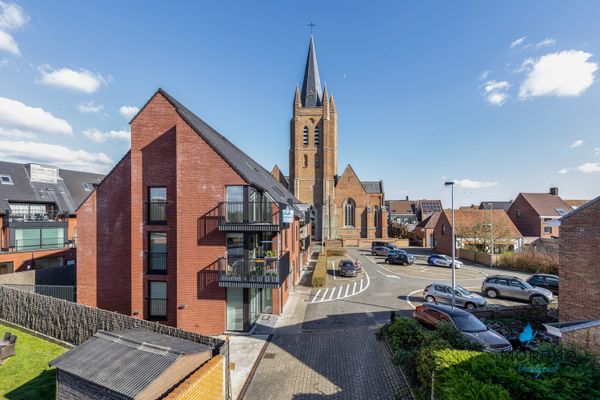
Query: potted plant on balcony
{"x": 271, "y": 255}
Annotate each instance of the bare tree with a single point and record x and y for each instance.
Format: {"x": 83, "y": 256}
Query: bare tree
{"x": 475, "y": 233}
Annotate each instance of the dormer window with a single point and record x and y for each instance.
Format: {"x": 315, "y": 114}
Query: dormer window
{"x": 88, "y": 187}
{"x": 6, "y": 180}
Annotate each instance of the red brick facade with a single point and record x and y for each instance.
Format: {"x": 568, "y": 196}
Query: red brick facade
{"x": 579, "y": 264}
{"x": 165, "y": 152}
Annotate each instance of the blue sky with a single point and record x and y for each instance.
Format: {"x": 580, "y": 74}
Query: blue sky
{"x": 502, "y": 96}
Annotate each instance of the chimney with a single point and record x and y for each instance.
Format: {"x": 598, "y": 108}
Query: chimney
{"x": 406, "y": 198}
{"x": 554, "y": 191}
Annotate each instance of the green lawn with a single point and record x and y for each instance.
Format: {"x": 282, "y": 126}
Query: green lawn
{"x": 27, "y": 375}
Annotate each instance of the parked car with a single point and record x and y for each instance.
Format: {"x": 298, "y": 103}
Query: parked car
{"x": 441, "y": 292}
{"x": 475, "y": 330}
{"x": 381, "y": 250}
{"x": 511, "y": 286}
{"x": 378, "y": 244}
{"x": 546, "y": 281}
{"x": 443, "y": 260}
{"x": 397, "y": 257}
{"x": 347, "y": 268}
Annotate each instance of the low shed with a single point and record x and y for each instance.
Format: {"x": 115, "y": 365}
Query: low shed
{"x": 128, "y": 364}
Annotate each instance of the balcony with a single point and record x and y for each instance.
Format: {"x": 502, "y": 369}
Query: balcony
{"x": 240, "y": 272}
{"x": 21, "y": 245}
{"x": 249, "y": 216}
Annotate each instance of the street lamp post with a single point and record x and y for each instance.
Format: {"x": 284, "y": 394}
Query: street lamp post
{"x": 451, "y": 184}
{"x": 491, "y": 235}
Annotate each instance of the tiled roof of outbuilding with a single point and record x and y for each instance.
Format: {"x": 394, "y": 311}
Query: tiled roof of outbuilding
{"x": 546, "y": 204}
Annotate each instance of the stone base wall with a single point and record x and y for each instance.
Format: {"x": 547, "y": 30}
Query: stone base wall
{"x": 585, "y": 340}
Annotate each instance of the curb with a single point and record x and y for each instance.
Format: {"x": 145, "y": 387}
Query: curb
{"x": 254, "y": 368}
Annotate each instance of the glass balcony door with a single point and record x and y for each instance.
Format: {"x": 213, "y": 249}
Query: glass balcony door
{"x": 235, "y": 309}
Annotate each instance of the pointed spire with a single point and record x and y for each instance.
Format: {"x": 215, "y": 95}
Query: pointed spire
{"x": 331, "y": 103}
{"x": 297, "y": 101}
{"x": 325, "y": 95}
{"x": 312, "y": 95}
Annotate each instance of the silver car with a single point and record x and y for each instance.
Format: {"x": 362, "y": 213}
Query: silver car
{"x": 381, "y": 250}
{"x": 441, "y": 292}
{"x": 517, "y": 288}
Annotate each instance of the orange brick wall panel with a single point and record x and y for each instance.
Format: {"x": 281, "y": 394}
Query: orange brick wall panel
{"x": 585, "y": 340}
{"x": 202, "y": 176}
{"x": 103, "y": 267}
{"x": 22, "y": 261}
{"x": 579, "y": 265}
{"x": 443, "y": 237}
{"x": 207, "y": 383}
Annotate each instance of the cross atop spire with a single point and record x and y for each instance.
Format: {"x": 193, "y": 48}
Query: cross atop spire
{"x": 311, "y": 25}
{"x": 312, "y": 93}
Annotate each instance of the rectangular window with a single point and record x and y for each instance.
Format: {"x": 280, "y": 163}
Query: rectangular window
{"x": 6, "y": 180}
{"x": 157, "y": 300}
{"x": 6, "y": 267}
{"x": 35, "y": 239}
{"x": 548, "y": 229}
{"x": 157, "y": 205}
{"x": 235, "y": 204}
{"x": 157, "y": 253}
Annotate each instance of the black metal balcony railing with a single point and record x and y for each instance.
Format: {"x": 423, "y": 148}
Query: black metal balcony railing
{"x": 157, "y": 212}
{"x": 157, "y": 262}
{"x": 157, "y": 308}
{"x": 262, "y": 215}
{"x": 40, "y": 244}
{"x": 253, "y": 272}
{"x": 51, "y": 216}
{"x": 64, "y": 292}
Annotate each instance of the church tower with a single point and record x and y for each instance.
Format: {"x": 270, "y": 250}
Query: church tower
{"x": 313, "y": 148}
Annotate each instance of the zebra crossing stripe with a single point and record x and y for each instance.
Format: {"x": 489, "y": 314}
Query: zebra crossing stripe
{"x": 354, "y": 289}
{"x": 347, "y": 287}
{"x": 332, "y": 293}
{"x": 316, "y": 295}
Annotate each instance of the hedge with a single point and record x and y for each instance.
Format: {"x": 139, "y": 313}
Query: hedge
{"x": 530, "y": 261}
{"x": 338, "y": 251}
{"x": 319, "y": 276}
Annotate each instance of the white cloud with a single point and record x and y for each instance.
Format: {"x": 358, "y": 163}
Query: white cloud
{"x": 563, "y": 171}
{"x": 12, "y": 17}
{"x": 7, "y": 43}
{"x": 53, "y": 154}
{"x": 545, "y": 42}
{"x": 89, "y": 107}
{"x": 589, "y": 168}
{"x": 576, "y": 143}
{"x": 470, "y": 184}
{"x": 495, "y": 92}
{"x": 484, "y": 74}
{"x": 98, "y": 136}
{"x": 517, "y": 42}
{"x": 565, "y": 73}
{"x": 31, "y": 120}
{"x": 82, "y": 81}
{"x": 497, "y": 98}
{"x": 128, "y": 111}
{"x": 14, "y": 133}
{"x": 597, "y": 151}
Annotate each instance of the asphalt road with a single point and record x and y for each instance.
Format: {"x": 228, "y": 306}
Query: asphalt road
{"x": 380, "y": 288}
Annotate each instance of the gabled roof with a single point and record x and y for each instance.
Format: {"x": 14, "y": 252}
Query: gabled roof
{"x": 546, "y": 204}
{"x": 583, "y": 207}
{"x": 575, "y": 203}
{"x": 312, "y": 93}
{"x": 472, "y": 217}
{"x": 401, "y": 206}
{"x": 243, "y": 164}
{"x": 496, "y": 205}
{"x": 372, "y": 186}
{"x": 67, "y": 192}
{"x": 431, "y": 221}
{"x": 429, "y": 206}
{"x": 129, "y": 361}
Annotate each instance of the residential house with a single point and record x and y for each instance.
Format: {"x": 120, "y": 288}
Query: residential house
{"x": 137, "y": 364}
{"x": 402, "y": 211}
{"x": 537, "y": 214}
{"x": 189, "y": 230}
{"x": 423, "y": 234}
{"x": 38, "y": 225}
{"x": 495, "y": 205}
{"x": 424, "y": 208}
{"x": 579, "y": 271}
{"x": 472, "y": 231}
{"x": 575, "y": 203}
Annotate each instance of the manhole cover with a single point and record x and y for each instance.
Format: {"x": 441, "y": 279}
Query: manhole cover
{"x": 270, "y": 356}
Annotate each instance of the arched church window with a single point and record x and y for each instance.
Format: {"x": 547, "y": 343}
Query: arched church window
{"x": 376, "y": 217}
{"x": 305, "y": 136}
{"x": 305, "y": 161}
{"x": 349, "y": 213}
{"x": 316, "y": 135}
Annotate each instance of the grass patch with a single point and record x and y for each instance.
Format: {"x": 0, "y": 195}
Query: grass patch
{"x": 26, "y": 375}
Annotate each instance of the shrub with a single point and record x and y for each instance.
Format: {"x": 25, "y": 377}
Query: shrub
{"x": 336, "y": 252}
{"x": 319, "y": 276}
{"x": 530, "y": 261}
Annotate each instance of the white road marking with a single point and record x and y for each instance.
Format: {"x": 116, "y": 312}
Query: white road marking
{"x": 333, "y": 268}
{"x": 332, "y": 292}
{"x": 316, "y": 294}
{"x": 365, "y": 282}
{"x": 354, "y": 290}
{"x": 347, "y": 287}
{"x": 325, "y": 294}
{"x": 408, "y": 298}
{"x": 361, "y": 284}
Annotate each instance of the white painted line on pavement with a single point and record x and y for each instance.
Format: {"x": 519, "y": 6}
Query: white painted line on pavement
{"x": 333, "y": 268}
{"x": 332, "y": 292}
{"x": 316, "y": 295}
{"x": 347, "y": 287}
{"x": 408, "y": 297}
{"x": 325, "y": 293}
{"x": 354, "y": 289}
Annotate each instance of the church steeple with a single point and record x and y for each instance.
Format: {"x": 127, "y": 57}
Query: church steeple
{"x": 312, "y": 94}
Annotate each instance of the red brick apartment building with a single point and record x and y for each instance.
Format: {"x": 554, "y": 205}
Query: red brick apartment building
{"x": 189, "y": 230}
{"x": 38, "y": 226}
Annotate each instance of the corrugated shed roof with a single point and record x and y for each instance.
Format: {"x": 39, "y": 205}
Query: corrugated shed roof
{"x": 546, "y": 204}
{"x": 243, "y": 164}
{"x": 125, "y": 362}
{"x": 67, "y": 193}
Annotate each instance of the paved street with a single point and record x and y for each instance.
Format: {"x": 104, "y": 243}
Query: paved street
{"x": 332, "y": 350}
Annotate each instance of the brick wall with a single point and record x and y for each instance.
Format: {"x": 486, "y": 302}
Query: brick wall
{"x": 204, "y": 384}
{"x": 443, "y": 234}
{"x": 528, "y": 221}
{"x": 579, "y": 264}
{"x": 586, "y": 340}
{"x": 23, "y": 261}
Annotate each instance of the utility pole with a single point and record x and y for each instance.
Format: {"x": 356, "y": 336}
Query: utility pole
{"x": 451, "y": 184}
{"x": 491, "y": 235}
